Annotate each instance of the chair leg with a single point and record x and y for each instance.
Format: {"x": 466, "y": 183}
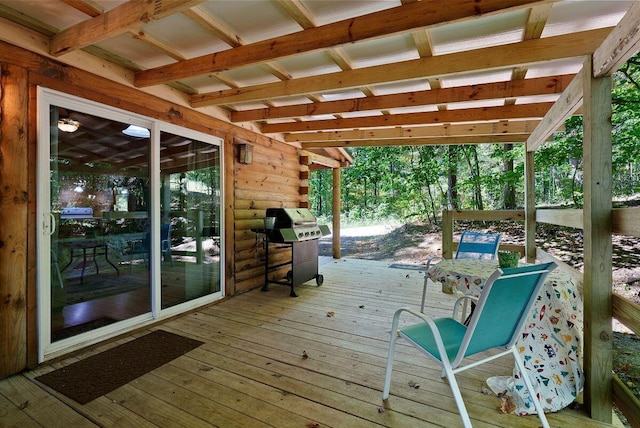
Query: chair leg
{"x": 529, "y": 385}
{"x": 457, "y": 395}
{"x": 392, "y": 348}
{"x": 424, "y": 293}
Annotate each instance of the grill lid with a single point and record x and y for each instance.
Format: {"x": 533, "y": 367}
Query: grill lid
{"x": 292, "y": 217}
{"x": 295, "y": 224}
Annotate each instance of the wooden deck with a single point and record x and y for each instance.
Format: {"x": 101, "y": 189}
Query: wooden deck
{"x": 273, "y": 360}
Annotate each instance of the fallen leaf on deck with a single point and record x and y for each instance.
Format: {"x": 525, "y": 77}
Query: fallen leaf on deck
{"x": 313, "y": 425}
{"x": 507, "y": 405}
{"x": 24, "y": 405}
{"x": 414, "y": 384}
{"x": 330, "y": 313}
{"x": 381, "y": 409}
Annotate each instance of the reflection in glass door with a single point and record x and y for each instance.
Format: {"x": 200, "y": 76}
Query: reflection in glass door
{"x": 190, "y": 218}
{"x": 100, "y": 209}
{"x": 129, "y": 228}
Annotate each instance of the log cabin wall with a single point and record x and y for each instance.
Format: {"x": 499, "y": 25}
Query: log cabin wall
{"x": 273, "y": 179}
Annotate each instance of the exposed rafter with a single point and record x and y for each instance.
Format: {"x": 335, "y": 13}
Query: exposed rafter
{"x": 128, "y": 16}
{"x": 567, "y": 104}
{"x": 510, "y": 55}
{"x": 464, "y": 115}
{"x": 399, "y": 19}
{"x": 530, "y": 87}
{"x": 435, "y": 141}
{"x": 503, "y": 127}
{"x": 622, "y": 44}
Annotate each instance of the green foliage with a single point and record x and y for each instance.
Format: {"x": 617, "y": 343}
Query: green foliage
{"x": 412, "y": 182}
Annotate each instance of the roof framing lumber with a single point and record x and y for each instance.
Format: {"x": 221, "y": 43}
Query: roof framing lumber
{"x": 86, "y": 6}
{"x": 435, "y": 141}
{"x": 119, "y": 20}
{"x": 621, "y": 44}
{"x": 314, "y": 158}
{"x": 445, "y": 130}
{"x": 391, "y": 21}
{"x": 446, "y": 116}
{"x": 495, "y": 57}
{"x": 567, "y": 104}
{"x": 520, "y": 88}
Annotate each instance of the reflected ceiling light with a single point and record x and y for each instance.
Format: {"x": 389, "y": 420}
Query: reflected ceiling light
{"x": 66, "y": 124}
{"x": 137, "y": 131}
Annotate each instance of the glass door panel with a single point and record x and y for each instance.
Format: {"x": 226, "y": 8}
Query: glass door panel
{"x": 100, "y": 209}
{"x": 190, "y": 219}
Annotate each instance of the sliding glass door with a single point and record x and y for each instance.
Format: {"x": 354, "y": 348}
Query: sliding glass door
{"x": 130, "y": 214}
{"x": 190, "y": 214}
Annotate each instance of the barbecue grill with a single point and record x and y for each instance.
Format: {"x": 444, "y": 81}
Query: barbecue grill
{"x": 297, "y": 229}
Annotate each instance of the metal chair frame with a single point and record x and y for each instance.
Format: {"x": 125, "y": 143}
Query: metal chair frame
{"x": 496, "y": 323}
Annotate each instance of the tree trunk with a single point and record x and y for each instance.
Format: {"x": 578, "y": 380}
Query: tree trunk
{"x": 452, "y": 191}
{"x": 509, "y": 193}
{"x": 471, "y": 154}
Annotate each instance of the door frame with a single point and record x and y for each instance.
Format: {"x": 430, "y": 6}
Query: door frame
{"x": 45, "y": 223}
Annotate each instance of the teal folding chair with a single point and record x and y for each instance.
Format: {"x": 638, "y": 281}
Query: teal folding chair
{"x": 496, "y": 323}
{"x": 472, "y": 245}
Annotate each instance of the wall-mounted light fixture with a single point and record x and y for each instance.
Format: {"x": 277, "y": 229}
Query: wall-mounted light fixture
{"x": 245, "y": 155}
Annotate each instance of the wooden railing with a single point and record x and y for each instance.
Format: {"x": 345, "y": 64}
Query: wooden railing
{"x": 625, "y": 221}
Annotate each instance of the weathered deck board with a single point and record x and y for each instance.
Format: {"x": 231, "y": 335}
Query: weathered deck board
{"x": 251, "y": 370}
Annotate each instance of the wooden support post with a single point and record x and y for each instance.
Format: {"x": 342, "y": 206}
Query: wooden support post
{"x": 336, "y": 213}
{"x": 597, "y": 211}
{"x": 14, "y": 169}
{"x": 529, "y": 208}
{"x": 447, "y": 234}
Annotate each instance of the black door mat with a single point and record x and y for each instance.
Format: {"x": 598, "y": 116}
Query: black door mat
{"x": 100, "y": 374}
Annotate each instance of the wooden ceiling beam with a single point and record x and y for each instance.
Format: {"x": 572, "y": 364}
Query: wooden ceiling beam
{"x": 491, "y": 58}
{"x": 315, "y": 158}
{"x": 87, "y": 7}
{"x": 435, "y": 141}
{"x": 620, "y": 45}
{"x": 486, "y": 91}
{"x": 444, "y": 130}
{"x": 387, "y": 22}
{"x": 157, "y": 44}
{"x": 523, "y": 111}
{"x": 567, "y": 104}
{"x": 119, "y": 20}
{"x": 298, "y": 12}
{"x": 211, "y": 24}
{"x": 536, "y": 22}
